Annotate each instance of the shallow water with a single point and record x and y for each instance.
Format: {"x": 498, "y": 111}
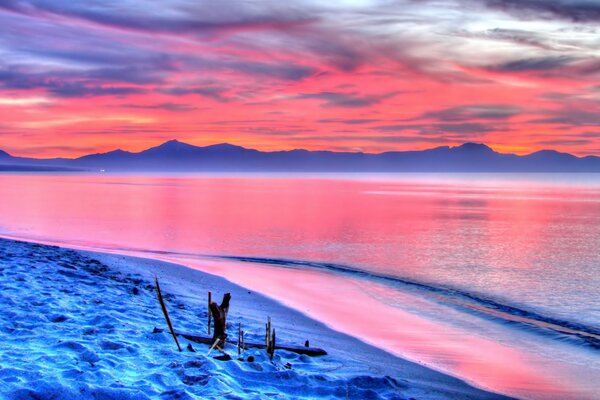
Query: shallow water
{"x": 489, "y": 277}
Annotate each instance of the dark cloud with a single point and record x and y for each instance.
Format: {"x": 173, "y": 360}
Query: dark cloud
{"x": 590, "y": 134}
{"x": 70, "y": 83}
{"x": 193, "y": 18}
{"x": 175, "y": 107}
{"x": 533, "y": 64}
{"x": 573, "y": 10}
{"x": 564, "y": 142}
{"x": 461, "y": 128}
{"x": 518, "y": 36}
{"x": 35, "y": 150}
{"x": 280, "y": 70}
{"x": 75, "y": 89}
{"x": 59, "y": 85}
{"x": 552, "y": 67}
{"x": 131, "y": 74}
{"x": 358, "y": 121}
{"x": 377, "y": 139}
{"x": 465, "y": 127}
{"x": 345, "y": 100}
{"x": 217, "y": 93}
{"x": 570, "y": 117}
{"x": 473, "y": 112}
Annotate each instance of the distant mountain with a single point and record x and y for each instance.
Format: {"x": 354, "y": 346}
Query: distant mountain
{"x": 177, "y": 156}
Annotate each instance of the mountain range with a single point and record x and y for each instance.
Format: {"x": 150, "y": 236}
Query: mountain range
{"x": 176, "y": 156}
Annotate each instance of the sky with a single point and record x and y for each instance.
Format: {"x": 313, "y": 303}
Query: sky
{"x": 80, "y": 77}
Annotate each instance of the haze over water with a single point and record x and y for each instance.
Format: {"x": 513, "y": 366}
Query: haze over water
{"x": 453, "y": 263}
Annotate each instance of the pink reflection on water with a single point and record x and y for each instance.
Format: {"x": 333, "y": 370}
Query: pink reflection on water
{"x": 345, "y": 306}
{"x": 516, "y": 241}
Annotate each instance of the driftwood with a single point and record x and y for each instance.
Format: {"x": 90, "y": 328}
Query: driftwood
{"x": 219, "y": 316}
{"x": 205, "y": 339}
{"x": 272, "y": 346}
{"x": 219, "y": 338}
{"x": 165, "y": 312}
{"x": 209, "y": 301}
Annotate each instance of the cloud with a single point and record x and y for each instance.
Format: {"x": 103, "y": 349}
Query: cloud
{"x": 533, "y": 64}
{"x": 377, "y": 139}
{"x": 570, "y": 117}
{"x": 175, "y": 107}
{"x": 34, "y": 150}
{"x": 590, "y": 134}
{"x": 473, "y": 112}
{"x": 345, "y": 100}
{"x": 351, "y": 121}
{"x": 184, "y": 18}
{"x": 218, "y": 93}
{"x": 569, "y": 67}
{"x": 60, "y": 86}
{"x": 279, "y": 70}
{"x": 564, "y": 142}
{"x": 81, "y": 90}
{"x": 432, "y": 129}
{"x": 62, "y": 83}
{"x": 572, "y": 10}
{"x": 517, "y": 36}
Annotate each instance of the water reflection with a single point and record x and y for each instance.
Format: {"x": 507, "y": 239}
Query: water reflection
{"x": 527, "y": 243}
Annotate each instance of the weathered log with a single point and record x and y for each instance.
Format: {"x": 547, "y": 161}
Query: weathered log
{"x": 219, "y": 316}
{"x": 205, "y": 339}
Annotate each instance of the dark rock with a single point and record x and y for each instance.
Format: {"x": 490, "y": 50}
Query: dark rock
{"x": 224, "y": 357}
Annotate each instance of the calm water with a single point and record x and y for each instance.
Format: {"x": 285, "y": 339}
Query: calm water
{"x": 493, "y": 278}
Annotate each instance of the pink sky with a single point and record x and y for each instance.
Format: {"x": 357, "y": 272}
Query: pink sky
{"x": 368, "y": 75}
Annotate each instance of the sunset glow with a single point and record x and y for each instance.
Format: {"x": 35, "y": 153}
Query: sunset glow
{"x": 355, "y": 75}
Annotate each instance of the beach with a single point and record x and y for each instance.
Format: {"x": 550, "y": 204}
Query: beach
{"x": 81, "y": 324}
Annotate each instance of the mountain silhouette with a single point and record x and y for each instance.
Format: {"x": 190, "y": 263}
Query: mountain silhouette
{"x": 176, "y": 156}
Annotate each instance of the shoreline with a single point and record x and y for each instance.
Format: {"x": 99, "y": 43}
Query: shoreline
{"x": 348, "y": 357}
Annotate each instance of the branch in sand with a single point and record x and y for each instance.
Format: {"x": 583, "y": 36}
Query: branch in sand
{"x": 165, "y": 312}
{"x": 209, "y": 301}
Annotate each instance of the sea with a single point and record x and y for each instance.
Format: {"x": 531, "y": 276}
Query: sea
{"x": 492, "y": 278}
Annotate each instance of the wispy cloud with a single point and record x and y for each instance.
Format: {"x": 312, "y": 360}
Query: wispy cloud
{"x": 345, "y": 100}
{"x": 573, "y": 10}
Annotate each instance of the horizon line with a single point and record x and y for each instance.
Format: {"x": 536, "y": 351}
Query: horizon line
{"x": 297, "y": 149}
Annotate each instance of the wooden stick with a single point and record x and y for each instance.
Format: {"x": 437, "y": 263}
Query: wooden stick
{"x": 209, "y": 314}
{"x": 268, "y": 331}
{"x": 273, "y": 345}
{"x": 165, "y": 312}
{"x": 239, "y": 340}
{"x": 213, "y": 346}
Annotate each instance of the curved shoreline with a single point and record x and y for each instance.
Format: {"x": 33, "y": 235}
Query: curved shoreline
{"x": 354, "y": 356}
